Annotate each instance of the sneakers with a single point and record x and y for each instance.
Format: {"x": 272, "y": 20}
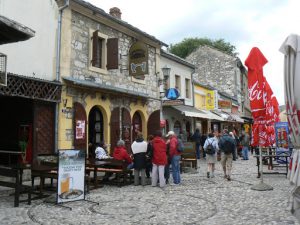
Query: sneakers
{"x": 212, "y": 175}
{"x": 207, "y": 174}
{"x": 228, "y": 178}
{"x": 225, "y": 176}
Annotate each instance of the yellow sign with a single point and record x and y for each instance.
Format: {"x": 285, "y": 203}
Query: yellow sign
{"x": 210, "y": 99}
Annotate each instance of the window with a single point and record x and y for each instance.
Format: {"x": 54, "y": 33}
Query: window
{"x": 177, "y": 83}
{"x": 104, "y": 52}
{"x": 187, "y": 88}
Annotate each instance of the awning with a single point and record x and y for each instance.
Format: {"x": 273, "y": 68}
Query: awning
{"x": 213, "y": 116}
{"x": 191, "y": 111}
{"x": 106, "y": 88}
{"x": 229, "y": 117}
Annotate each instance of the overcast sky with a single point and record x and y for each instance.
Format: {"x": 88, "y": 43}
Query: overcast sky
{"x": 244, "y": 23}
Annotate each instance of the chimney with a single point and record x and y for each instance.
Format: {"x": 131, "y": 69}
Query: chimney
{"x": 115, "y": 12}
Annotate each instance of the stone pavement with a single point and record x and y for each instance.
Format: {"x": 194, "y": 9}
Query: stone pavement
{"x": 198, "y": 200}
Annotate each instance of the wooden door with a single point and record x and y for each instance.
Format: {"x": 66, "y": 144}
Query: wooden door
{"x": 43, "y": 137}
{"x": 153, "y": 123}
{"x": 114, "y": 128}
{"x": 126, "y": 129}
{"x": 79, "y": 125}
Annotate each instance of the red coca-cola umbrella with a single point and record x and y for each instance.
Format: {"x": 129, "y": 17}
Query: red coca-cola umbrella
{"x": 259, "y": 91}
{"x": 257, "y": 96}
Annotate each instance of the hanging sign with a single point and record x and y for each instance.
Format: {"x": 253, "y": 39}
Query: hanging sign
{"x": 138, "y": 60}
{"x": 71, "y": 172}
{"x": 172, "y": 93}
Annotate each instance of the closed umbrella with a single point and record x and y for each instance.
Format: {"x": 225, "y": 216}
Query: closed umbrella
{"x": 259, "y": 91}
{"x": 291, "y": 50}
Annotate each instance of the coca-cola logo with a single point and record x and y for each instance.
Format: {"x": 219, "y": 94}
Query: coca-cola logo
{"x": 256, "y": 93}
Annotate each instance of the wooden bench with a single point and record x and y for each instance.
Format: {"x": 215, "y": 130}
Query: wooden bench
{"x": 16, "y": 184}
{"x": 188, "y": 156}
{"x": 113, "y": 166}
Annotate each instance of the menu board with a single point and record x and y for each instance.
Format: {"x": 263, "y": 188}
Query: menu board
{"x": 282, "y": 131}
{"x": 71, "y": 171}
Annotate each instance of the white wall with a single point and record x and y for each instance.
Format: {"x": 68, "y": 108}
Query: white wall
{"x": 36, "y": 55}
{"x": 182, "y": 71}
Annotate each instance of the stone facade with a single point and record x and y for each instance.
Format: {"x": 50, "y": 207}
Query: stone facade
{"x": 219, "y": 70}
{"x": 118, "y": 78}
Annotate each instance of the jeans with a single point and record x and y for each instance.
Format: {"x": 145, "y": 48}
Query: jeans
{"x": 176, "y": 169}
{"x": 245, "y": 152}
{"x": 198, "y": 150}
{"x": 130, "y": 166}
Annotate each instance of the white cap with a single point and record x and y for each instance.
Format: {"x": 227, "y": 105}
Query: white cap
{"x": 170, "y": 133}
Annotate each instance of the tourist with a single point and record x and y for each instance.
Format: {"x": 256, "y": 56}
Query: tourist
{"x": 120, "y": 153}
{"x": 211, "y": 155}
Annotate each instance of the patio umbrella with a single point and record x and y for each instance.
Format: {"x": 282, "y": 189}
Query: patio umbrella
{"x": 291, "y": 50}
{"x": 258, "y": 92}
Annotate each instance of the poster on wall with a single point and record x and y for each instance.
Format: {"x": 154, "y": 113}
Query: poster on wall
{"x": 282, "y": 131}
{"x": 80, "y": 129}
{"x": 71, "y": 171}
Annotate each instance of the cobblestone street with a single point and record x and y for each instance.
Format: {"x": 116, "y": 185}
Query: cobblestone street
{"x": 198, "y": 200}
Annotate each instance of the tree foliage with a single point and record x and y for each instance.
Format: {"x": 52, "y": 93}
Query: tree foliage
{"x": 188, "y": 45}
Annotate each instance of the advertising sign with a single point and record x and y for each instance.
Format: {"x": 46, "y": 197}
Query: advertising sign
{"x": 210, "y": 99}
{"x": 281, "y": 131}
{"x": 71, "y": 172}
{"x": 224, "y": 104}
{"x": 80, "y": 129}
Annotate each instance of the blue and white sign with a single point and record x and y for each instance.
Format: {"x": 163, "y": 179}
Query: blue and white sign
{"x": 172, "y": 93}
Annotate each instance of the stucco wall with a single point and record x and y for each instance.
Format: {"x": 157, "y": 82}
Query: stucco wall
{"x": 36, "y": 56}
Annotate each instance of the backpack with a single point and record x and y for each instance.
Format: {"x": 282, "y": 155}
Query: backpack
{"x": 180, "y": 146}
{"x": 228, "y": 147}
{"x": 210, "y": 149}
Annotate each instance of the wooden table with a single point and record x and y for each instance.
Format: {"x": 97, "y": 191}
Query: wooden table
{"x": 96, "y": 164}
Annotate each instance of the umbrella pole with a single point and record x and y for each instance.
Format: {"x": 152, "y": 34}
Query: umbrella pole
{"x": 261, "y": 186}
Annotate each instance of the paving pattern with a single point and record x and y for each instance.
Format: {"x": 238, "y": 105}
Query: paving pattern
{"x": 198, "y": 200}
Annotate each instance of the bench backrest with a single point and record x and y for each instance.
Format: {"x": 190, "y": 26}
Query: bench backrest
{"x": 8, "y": 172}
{"x": 189, "y": 150}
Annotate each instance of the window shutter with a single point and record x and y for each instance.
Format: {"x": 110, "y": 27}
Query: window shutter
{"x": 95, "y": 48}
{"x": 112, "y": 53}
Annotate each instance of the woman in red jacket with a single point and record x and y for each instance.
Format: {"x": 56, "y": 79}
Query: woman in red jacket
{"x": 159, "y": 160}
{"x": 120, "y": 153}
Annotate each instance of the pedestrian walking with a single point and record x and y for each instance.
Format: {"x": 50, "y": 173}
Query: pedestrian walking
{"x": 245, "y": 142}
{"x": 139, "y": 149}
{"x": 159, "y": 160}
{"x": 196, "y": 137}
{"x": 226, "y": 146}
{"x": 175, "y": 156}
{"x": 211, "y": 148}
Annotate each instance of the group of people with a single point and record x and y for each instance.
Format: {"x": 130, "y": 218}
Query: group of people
{"x": 226, "y": 146}
{"x": 158, "y": 153}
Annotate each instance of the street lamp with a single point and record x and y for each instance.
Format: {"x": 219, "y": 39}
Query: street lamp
{"x": 166, "y": 74}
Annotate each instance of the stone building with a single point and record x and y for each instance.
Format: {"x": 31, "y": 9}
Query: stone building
{"x": 225, "y": 73}
{"x": 110, "y": 71}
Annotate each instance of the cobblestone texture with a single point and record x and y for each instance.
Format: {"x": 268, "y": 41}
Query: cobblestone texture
{"x": 198, "y": 200}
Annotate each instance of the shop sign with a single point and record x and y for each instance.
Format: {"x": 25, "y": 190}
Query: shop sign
{"x": 210, "y": 99}
{"x": 173, "y": 102}
{"x": 224, "y": 104}
{"x": 172, "y": 93}
{"x": 138, "y": 60}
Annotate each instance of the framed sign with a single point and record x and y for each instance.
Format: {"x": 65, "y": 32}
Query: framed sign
{"x": 71, "y": 172}
{"x": 138, "y": 60}
{"x": 80, "y": 129}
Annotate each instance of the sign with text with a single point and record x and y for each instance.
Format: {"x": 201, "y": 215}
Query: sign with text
{"x": 224, "y": 104}
{"x": 173, "y": 102}
{"x": 172, "y": 93}
{"x": 282, "y": 131}
{"x": 71, "y": 172}
{"x": 80, "y": 129}
{"x": 210, "y": 99}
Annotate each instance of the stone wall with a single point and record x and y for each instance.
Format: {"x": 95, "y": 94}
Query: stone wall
{"x": 216, "y": 69}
